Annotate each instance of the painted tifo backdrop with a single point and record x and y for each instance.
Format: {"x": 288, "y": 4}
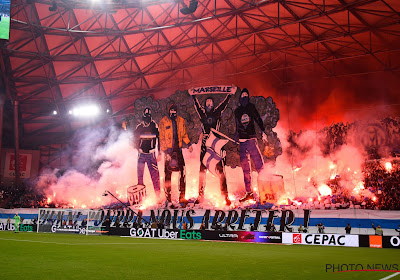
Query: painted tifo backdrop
{"x": 265, "y": 106}
{"x": 240, "y": 219}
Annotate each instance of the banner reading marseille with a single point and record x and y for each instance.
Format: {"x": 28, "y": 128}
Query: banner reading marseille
{"x": 212, "y": 90}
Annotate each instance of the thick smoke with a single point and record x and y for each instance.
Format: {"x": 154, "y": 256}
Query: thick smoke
{"x": 104, "y": 159}
{"x": 111, "y": 164}
{"x": 107, "y": 161}
{"x": 307, "y": 169}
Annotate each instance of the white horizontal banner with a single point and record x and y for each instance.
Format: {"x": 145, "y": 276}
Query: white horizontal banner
{"x": 346, "y": 240}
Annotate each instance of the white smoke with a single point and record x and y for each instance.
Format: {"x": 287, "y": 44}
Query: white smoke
{"x": 80, "y": 187}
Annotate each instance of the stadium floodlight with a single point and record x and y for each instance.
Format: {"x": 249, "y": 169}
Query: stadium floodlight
{"x": 95, "y": 2}
{"x": 90, "y": 110}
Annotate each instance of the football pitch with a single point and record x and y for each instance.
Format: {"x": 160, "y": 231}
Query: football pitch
{"x": 67, "y": 256}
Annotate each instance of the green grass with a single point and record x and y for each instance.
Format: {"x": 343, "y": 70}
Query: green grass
{"x": 4, "y": 28}
{"x": 62, "y": 256}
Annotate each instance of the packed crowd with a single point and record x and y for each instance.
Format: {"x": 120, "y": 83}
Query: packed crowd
{"x": 379, "y": 139}
{"x": 24, "y": 196}
{"x": 380, "y": 190}
{"x": 334, "y": 136}
{"x": 384, "y": 181}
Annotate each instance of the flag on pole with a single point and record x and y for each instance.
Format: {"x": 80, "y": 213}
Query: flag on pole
{"x": 213, "y": 154}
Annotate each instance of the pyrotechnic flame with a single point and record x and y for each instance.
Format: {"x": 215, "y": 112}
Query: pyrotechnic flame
{"x": 296, "y": 202}
{"x": 388, "y": 166}
{"x": 298, "y": 181}
{"x": 324, "y": 190}
{"x": 191, "y": 193}
{"x": 359, "y": 187}
{"x": 283, "y": 201}
{"x": 148, "y": 202}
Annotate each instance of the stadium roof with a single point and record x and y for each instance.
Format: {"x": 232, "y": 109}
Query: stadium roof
{"x": 66, "y": 51}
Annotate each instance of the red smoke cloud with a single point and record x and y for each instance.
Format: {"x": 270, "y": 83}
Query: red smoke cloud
{"x": 303, "y": 106}
{"x": 315, "y": 104}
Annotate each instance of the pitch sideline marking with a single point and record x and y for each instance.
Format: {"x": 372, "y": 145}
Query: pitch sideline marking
{"x": 390, "y": 276}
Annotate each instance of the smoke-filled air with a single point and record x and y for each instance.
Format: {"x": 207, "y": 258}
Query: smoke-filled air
{"x": 323, "y": 162}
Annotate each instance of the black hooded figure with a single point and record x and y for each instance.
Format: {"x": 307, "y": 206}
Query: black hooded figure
{"x": 210, "y": 117}
{"x": 146, "y": 137}
{"x": 246, "y": 114}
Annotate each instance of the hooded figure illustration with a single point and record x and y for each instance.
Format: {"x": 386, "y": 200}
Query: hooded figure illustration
{"x": 244, "y": 97}
{"x": 246, "y": 115}
{"x": 146, "y": 137}
{"x": 146, "y": 115}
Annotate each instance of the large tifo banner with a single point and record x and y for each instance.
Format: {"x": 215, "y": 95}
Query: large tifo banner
{"x": 78, "y": 221}
{"x": 334, "y": 221}
{"x": 218, "y": 225}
